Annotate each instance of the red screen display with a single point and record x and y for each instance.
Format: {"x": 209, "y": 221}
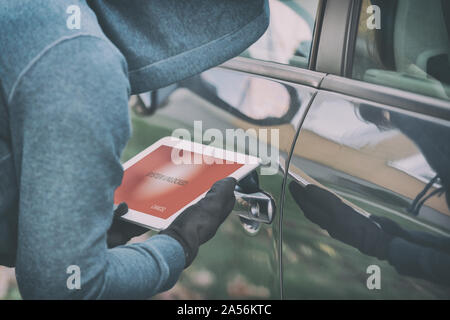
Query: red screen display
{"x": 157, "y": 186}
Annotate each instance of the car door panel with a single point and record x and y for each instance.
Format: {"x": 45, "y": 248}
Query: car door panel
{"x": 373, "y": 156}
{"x": 242, "y": 260}
{"x": 267, "y": 100}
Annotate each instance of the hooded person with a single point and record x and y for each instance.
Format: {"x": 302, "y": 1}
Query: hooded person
{"x": 67, "y": 69}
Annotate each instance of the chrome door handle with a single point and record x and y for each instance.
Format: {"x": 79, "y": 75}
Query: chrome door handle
{"x": 258, "y": 206}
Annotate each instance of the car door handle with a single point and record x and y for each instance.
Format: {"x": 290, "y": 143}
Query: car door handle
{"x": 258, "y": 206}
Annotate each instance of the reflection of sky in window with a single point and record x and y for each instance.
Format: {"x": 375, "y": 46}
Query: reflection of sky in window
{"x": 230, "y": 86}
{"x": 337, "y": 121}
{"x": 289, "y": 27}
{"x": 417, "y": 167}
{"x": 255, "y": 97}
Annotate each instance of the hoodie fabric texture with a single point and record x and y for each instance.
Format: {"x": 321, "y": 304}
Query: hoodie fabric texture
{"x": 64, "y": 122}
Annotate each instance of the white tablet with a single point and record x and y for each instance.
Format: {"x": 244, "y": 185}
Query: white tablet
{"x": 172, "y": 174}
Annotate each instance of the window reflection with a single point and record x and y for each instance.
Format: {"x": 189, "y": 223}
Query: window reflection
{"x": 289, "y": 36}
{"x": 411, "y": 50}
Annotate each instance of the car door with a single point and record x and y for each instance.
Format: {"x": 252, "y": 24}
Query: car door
{"x": 250, "y": 104}
{"x": 377, "y": 134}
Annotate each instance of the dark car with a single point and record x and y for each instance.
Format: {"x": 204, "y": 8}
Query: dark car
{"x": 356, "y": 94}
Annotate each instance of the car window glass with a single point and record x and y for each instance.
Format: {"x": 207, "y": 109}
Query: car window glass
{"x": 289, "y": 36}
{"x": 405, "y": 44}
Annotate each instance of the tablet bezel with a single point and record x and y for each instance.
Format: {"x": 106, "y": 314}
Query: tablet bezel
{"x": 250, "y": 163}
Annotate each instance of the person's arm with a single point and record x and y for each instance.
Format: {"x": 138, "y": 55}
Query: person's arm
{"x": 69, "y": 124}
{"x": 69, "y": 121}
{"x": 419, "y": 261}
{"x": 416, "y": 254}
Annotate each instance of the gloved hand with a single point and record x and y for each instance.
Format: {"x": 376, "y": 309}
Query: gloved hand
{"x": 341, "y": 221}
{"x": 199, "y": 223}
{"x": 122, "y": 231}
{"x": 421, "y": 238}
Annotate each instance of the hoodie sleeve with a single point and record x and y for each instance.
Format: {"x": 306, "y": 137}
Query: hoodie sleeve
{"x": 419, "y": 261}
{"x": 69, "y": 124}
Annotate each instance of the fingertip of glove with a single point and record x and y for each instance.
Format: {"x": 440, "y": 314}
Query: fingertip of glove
{"x": 322, "y": 195}
{"x": 295, "y": 186}
{"x": 228, "y": 183}
{"x": 121, "y": 209}
{"x": 298, "y": 191}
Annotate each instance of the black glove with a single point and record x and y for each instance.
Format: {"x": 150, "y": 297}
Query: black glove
{"x": 122, "y": 231}
{"x": 420, "y": 238}
{"x": 199, "y": 223}
{"x": 341, "y": 221}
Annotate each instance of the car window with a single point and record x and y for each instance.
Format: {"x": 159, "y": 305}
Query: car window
{"x": 289, "y": 36}
{"x": 405, "y": 44}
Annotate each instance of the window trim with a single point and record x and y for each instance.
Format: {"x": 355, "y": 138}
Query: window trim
{"x": 388, "y": 96}
{"x": 275, "y": 70}
{"x": 352, "y": 33}
{"x": 316, "y": 34}
{"x": 333, "y": 37}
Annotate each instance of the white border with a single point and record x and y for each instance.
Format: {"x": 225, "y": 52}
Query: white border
{"x": 155, "y": 223}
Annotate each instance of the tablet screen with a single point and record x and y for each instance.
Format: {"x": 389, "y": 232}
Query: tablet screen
{"x": 157, "y": 186}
